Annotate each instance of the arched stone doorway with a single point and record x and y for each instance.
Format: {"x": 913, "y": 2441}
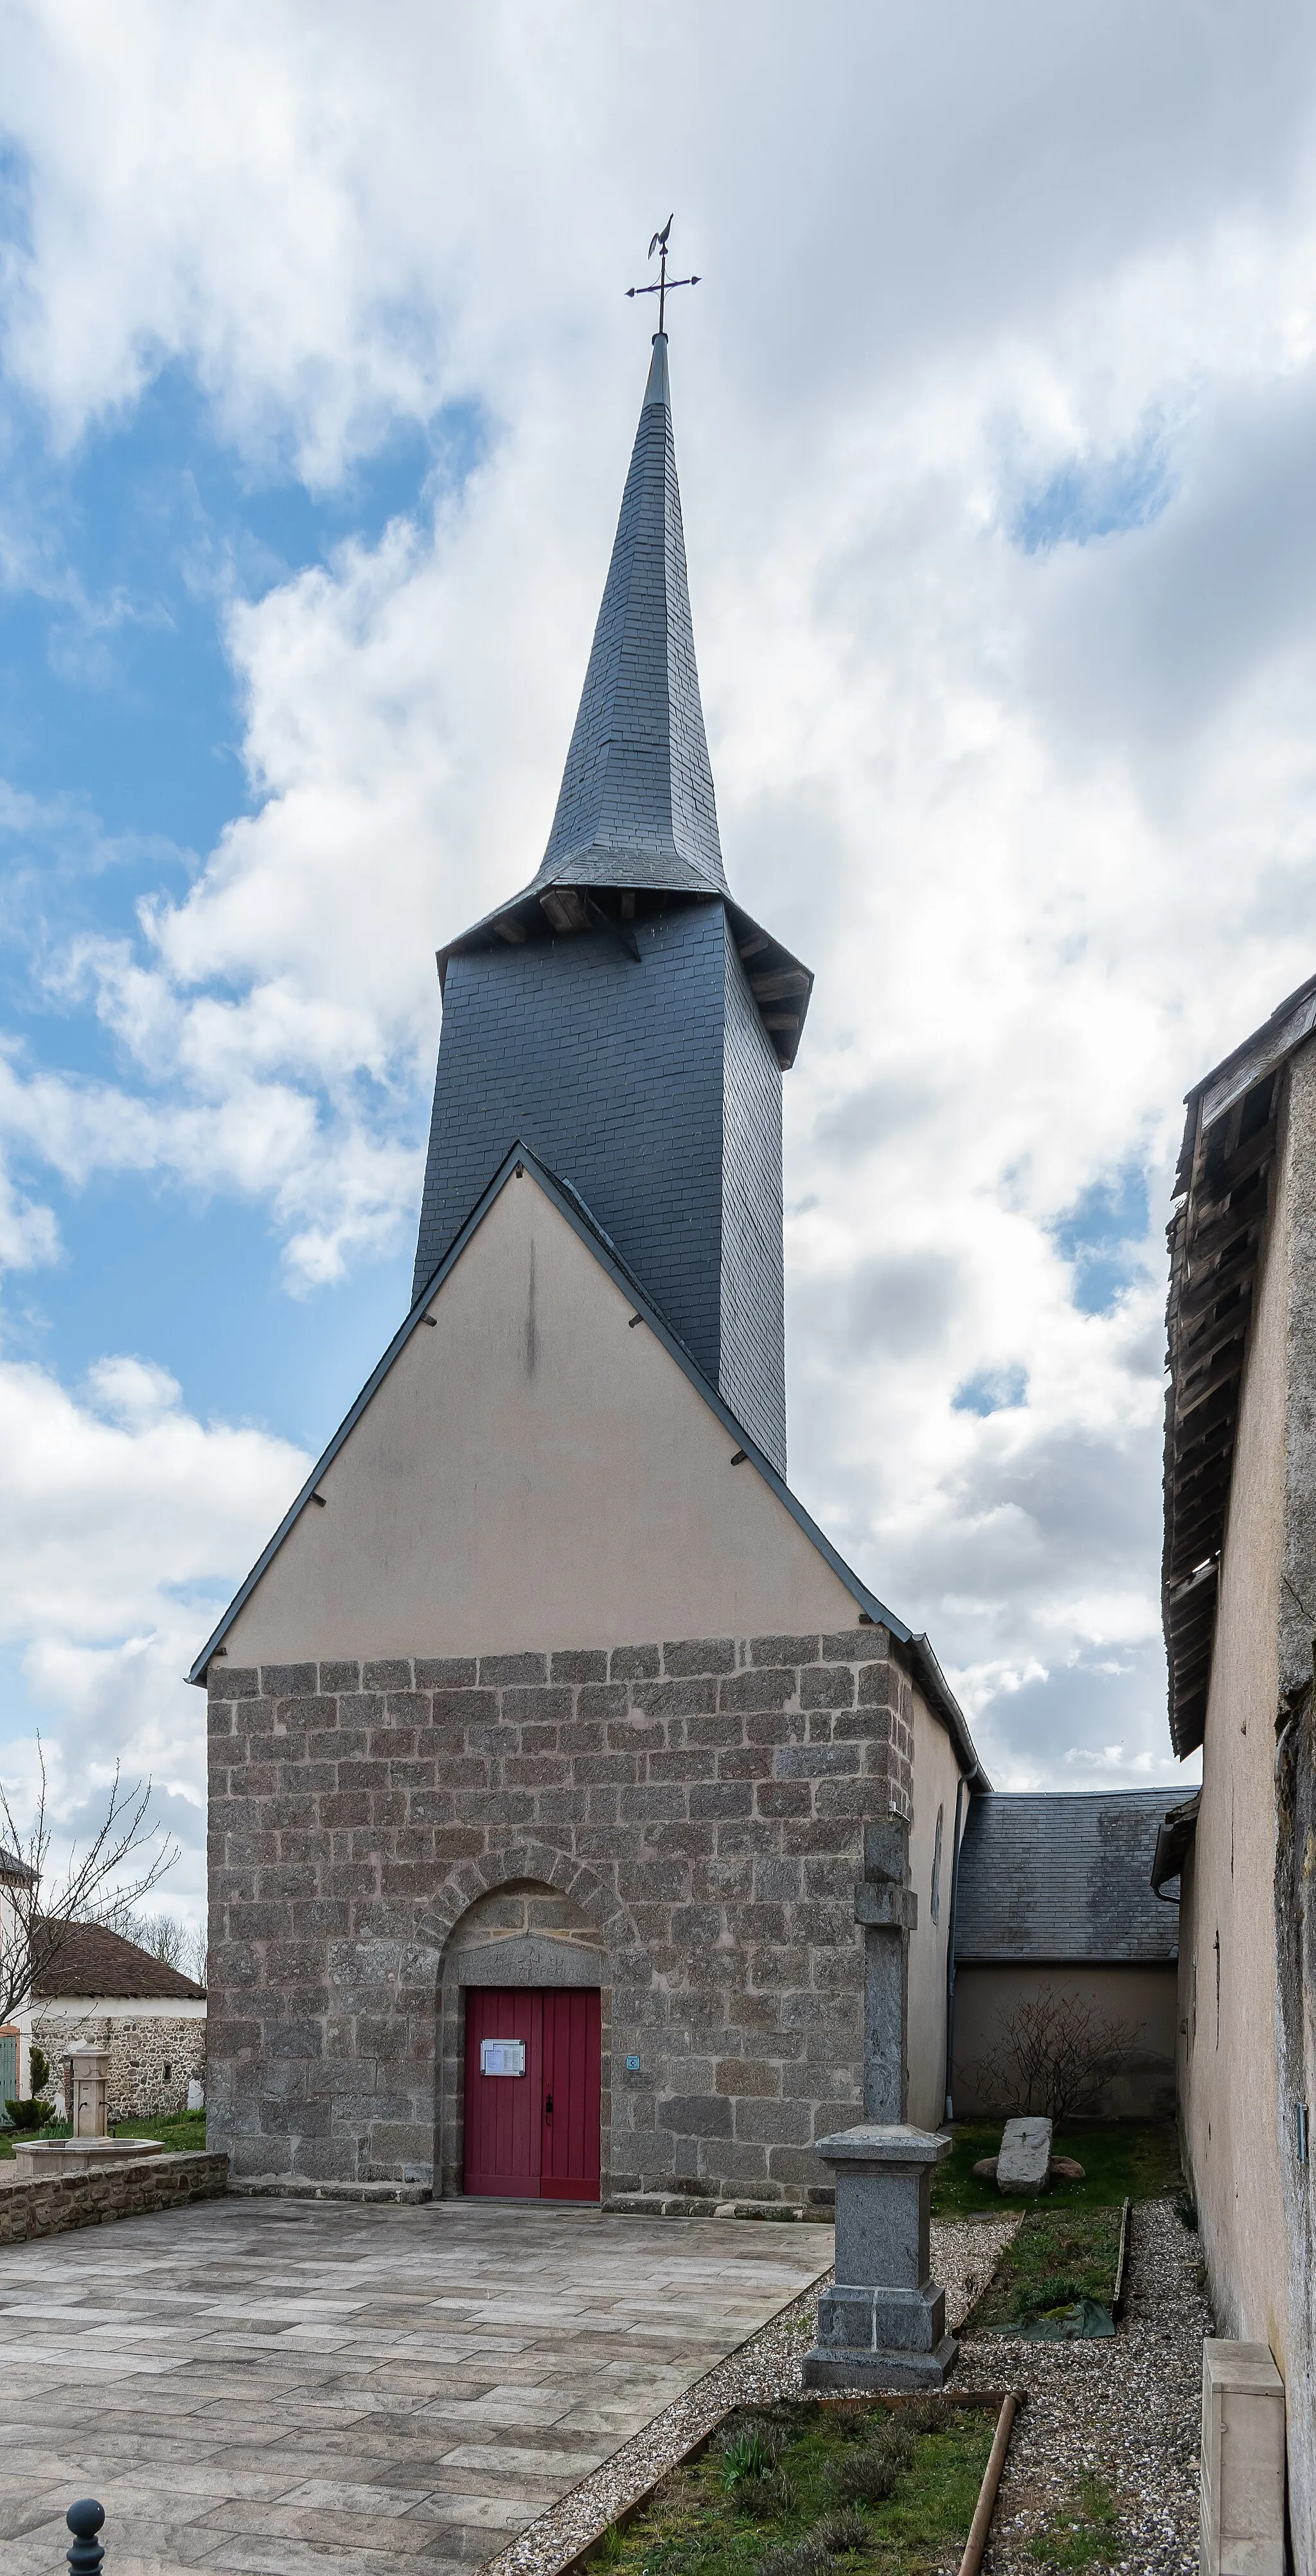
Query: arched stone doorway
{"x": 521, "y": 1935}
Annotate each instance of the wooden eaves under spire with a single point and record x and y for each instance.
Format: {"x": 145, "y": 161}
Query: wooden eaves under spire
{"x": 780, "y": 984}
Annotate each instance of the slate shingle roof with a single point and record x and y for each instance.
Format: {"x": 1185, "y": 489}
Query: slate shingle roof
{"x": 87, "y": 1959}
{"x": 636, "y": 805}
{"x": 12, "y": 1867}
{"x": 1055, "y": 1876}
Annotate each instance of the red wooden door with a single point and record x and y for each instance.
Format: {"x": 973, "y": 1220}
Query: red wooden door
{"x": 533, "y": 2135}
{"x": 504, "y": 2113}
{"x": 569, "y": 2165}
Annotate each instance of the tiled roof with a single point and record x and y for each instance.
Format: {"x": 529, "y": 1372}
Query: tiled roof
{"x": 12, "y": 1867}
{"x": 1056, "y": 1876}
{"x": 88, "y": 1959}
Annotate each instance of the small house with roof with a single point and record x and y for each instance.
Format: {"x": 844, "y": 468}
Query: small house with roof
{"x": 1055, "y": 1898}
{"x": 544, "y": 1731}
{"x": 91, "y": 1988}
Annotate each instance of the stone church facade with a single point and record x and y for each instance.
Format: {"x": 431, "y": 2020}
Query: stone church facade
{"x": 548, "y": 1686}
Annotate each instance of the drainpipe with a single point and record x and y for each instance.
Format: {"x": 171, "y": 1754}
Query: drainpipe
{"x": 950, "y": 1941}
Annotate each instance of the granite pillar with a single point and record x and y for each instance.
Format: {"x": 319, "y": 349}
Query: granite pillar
{"x": 883, "y": 2323}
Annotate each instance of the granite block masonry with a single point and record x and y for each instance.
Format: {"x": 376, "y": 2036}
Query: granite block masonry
{"x": 680, "y": 1825}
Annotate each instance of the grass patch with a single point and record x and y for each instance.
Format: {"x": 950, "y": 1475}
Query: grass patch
{"x": 814, "y": 2490}
{"x": 1122, "y": 2160}
{"x": 1084, "y": 2533}
{"x": 1057, "y": 2256}
{"x": 186, "y": 2133}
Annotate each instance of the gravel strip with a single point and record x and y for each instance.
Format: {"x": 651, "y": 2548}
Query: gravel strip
{"x": 1130, "y": 2411}
{"x": 964, "y": 2256}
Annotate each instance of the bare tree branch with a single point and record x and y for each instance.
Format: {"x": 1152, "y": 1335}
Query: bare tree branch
{"x": 34, "y": 1921}
{"x": 1055, "y": 2053}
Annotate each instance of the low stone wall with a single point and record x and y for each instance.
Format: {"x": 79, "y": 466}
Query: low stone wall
{"x": 89, "y": 2200}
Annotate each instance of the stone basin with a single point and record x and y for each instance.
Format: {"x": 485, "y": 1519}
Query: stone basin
{"x": 46, "y": 2159}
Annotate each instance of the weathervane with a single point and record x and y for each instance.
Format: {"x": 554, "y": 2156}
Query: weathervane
{"x": 663, "y": 285}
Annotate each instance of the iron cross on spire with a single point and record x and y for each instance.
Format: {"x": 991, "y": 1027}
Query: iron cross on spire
{"x": 663, "y": 285}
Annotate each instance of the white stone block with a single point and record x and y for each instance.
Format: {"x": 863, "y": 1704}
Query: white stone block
{"x": 1243, "y": 2456}
{"x": 196, "y": 2095}
{"x": 1025, "y": 2158}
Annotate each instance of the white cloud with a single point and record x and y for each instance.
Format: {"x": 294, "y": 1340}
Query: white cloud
{"x": 124, "y": 1525}
{"x": 1041, "y": 819}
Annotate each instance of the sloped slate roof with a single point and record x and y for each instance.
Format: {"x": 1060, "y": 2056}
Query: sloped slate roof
{"x": 12, "y": 1867}
{"x": 88, "y": 1959}
{"x": 636, "y": 819}
{"x": 1055, "y": 1876}
{"x": 636, "y": 805}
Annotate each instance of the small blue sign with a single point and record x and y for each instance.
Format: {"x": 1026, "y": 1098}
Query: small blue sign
{"x": 632, "y": 2066}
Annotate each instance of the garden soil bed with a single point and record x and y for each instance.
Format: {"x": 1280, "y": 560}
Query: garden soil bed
{"x": 1057, "y": 2256}
{"x": 803, "y": 2488}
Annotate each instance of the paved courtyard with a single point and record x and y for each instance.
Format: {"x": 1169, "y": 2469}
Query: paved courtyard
{"x": 272, "y": 2386}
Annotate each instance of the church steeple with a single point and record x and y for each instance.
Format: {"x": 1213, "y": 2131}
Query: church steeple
{"x": 636, "y": 806}
{"x": 622, "y": 1016}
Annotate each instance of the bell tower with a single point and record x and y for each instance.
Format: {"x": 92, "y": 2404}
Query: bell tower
{"x": 623, "y": 1016}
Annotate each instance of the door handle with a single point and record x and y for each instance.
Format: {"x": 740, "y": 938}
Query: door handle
{"x": 548, "y": 2106}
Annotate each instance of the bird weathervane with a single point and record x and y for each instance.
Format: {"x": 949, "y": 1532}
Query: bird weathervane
{"x": 662, "y": 286}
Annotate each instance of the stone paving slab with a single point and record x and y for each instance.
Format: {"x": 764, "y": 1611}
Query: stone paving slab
{"x": 270, "y": 2386}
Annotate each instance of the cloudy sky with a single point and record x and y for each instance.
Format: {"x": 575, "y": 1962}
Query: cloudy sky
{"x": 996, "y": 422}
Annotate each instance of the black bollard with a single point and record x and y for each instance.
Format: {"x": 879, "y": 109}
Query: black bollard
{"x": 84, "y": 2521}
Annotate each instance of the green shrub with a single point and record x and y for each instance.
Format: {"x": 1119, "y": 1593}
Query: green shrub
{"x": 752, "y": 2452}
{"x": 807, "y": 2558}
{"x": 30, "y": 2115}
{"x": 869, "y": 2475}
{"x": 839, "y": 2533}
{"x": 1053, "y": 2290}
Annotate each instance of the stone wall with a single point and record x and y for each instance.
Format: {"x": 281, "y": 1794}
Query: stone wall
{"x": 151, "y": 2061}
{"x": 699, "y": 1807}
{"x": 89, "y": 2200}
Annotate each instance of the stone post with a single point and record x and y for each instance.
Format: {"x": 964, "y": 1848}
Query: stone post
{"x": 883, "y": 2323}
{"x": 886, "y": 1906}
{"x": 90, "y": 2072}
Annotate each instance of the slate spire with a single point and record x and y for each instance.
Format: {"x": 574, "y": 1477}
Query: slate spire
{"x": 636, "y": 806}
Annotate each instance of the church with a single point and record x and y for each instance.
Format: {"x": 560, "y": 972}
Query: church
{"x": 543, "y": 1733}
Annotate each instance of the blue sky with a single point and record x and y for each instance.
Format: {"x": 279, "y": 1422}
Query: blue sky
{"x": 317, "y": 385}
{"x": 121, "y": 710}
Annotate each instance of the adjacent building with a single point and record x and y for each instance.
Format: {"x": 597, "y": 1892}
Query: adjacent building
{"x": 543, "y": 1732}
{"x": 88, "y": 1987}
{"x": 1240, "y": 1618}
{"x": 93, "y": 1989}
{"x": 1056, "y": 1916}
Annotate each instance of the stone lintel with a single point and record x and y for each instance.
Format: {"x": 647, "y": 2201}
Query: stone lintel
{"x": 528, "y": 1959}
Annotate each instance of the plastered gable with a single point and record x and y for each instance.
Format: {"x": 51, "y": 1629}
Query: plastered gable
{"x": 534, "y": 1468}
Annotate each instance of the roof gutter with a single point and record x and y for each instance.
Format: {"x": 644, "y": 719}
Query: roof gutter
{"x": 941, "y": 1700}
